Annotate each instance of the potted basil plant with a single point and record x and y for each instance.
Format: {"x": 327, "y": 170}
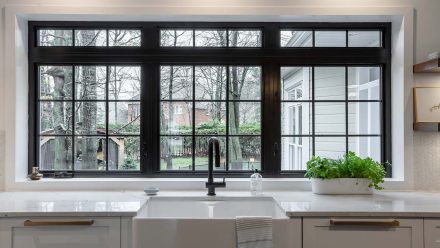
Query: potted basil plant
{"x": 348, "y": 175}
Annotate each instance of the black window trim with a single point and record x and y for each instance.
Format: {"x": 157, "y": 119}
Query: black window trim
{"x": 271, "y": 56}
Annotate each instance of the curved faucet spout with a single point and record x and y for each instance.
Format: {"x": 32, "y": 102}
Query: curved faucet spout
{"x": 213, "y": 145}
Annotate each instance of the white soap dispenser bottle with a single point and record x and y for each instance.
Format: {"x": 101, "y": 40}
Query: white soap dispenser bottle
{"x": 256, "y": 183}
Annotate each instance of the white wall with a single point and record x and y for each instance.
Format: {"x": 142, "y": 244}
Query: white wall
{"x": 426, "y": 39}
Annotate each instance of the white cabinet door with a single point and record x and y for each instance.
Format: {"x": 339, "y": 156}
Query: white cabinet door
{"x": 432, "y": 233}
{"x": 350, "y": 233}
{"x": 60, "y": 232}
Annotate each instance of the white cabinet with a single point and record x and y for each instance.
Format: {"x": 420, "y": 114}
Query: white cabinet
{"x": 362, "y": 233}
{"x": 432, "y": 233}
{"x": 60, "y": 232}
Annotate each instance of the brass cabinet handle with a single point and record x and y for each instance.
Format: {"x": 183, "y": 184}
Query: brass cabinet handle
{"x": 58, "y": 223}
{"x": 392, "y": 223}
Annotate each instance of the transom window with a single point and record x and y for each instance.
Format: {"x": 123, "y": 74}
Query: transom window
{"x": 143, "y": 99}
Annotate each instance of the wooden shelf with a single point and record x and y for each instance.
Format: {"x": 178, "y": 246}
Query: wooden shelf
{"x": 430, "y": 66}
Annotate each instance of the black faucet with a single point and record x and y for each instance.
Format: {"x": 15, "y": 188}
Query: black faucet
{"x": 211, "y": 185}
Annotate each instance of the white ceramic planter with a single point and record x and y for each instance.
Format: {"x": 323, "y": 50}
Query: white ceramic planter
{"x": 341, "y": 186}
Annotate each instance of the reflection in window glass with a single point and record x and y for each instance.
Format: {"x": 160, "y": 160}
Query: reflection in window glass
{"x": 176, "y": 38}
{"x": 210, "y": 38}
{"x": 364, "y": 83}
{"x": 176, "y": 122}
{"x": 330, "y": 38}
{"x": 91, "y": 37}
{"x": 55, "y": 37}
{"x": 245, "y": 38}
{"x": 364, "y": 38}
{"x": 296, "y": 38}
{"x": 124, "y": 37}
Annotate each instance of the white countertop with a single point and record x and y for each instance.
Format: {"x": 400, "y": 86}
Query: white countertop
{"x": 294, "y": 203}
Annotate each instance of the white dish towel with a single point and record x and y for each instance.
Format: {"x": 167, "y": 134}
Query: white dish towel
{"x": 254, "y": 232}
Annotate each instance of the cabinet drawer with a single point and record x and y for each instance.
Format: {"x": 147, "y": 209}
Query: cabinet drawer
{"x": 362, "y": 233}
{"x": 432, "y": 233}
{"x": 61, "y": 232}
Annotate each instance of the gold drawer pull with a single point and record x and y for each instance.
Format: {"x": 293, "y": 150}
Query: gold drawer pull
{"x": 392, "y": 223}
{"x": 58, "y": 223}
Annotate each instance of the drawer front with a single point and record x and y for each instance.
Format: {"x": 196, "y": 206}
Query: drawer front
{"x": 432, "y": 233}
{"x": 362, "y": 233}
{"x": 66, "y": 233}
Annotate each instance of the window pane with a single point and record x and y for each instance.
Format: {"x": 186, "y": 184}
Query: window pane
{"x": 124, "y": 153}
{"x": 364, "y": 83}
{"x": 55, "y": 37}
{"x": 90, "y": 82}
{"x": 296, "y": 118}
{"x": 124, "y": 83}
{"x": 176, "y": 82}
{"x": 330, "y": 83}
{"x": 176, "y": 153}
{"x": 55, "y": 82}
{"x": 296, "y": 83}
{"x": 245, "y": 83}
{"x": 90, "y": 153}
{"x": 210, "y": 38}
{"x": 330, "y": 38}
{"x": 55, "y": 118}
{"x": 210, "y": 118}
{"x": 124, "y": 118}
{"x": 90, "y": 118}
{"x": 245, "y": 38}
{"x": 210, "y": 82}
{"x": 329, "y": 118}
{"x": 201, "y": 152}
{"x": 244, "y": 118}
{"x": 330, "y": 147}
{"x": 176, "y": 38}
{"x": 176, "y": 118}
{"x": 244, "y": 153}
{"x": 91, "y": 37}
{"x": 366, "y": 147}
{"x": 296, "y": 38}
{"x": 295, "y": 152}
{"x": 364, "y": 118}
{"x": 55, "y": 153}
{"x": 121, "y": 37}
{"x": 364, "y": 38}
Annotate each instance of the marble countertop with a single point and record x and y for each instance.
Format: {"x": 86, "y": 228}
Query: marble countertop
{"x": 294, "y": 203}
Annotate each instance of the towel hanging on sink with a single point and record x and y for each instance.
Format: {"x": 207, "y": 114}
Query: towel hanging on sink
{"x": 254, "y": 232}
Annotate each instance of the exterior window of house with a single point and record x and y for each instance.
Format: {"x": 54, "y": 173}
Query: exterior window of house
{"x": 144, "y": 98}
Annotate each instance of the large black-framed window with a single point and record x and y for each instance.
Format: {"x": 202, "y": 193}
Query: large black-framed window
{"x": 277, "y": 126}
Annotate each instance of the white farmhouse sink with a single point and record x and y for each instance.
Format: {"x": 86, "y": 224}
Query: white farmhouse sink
{"x": 193, "y": 222}
{"x": 210, "y": 207}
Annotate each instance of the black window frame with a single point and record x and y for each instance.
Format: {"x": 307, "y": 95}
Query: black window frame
{"x": 150, "y": 55}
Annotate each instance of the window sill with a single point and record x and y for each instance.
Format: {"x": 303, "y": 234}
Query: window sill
{"x": 168, "y": 184}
